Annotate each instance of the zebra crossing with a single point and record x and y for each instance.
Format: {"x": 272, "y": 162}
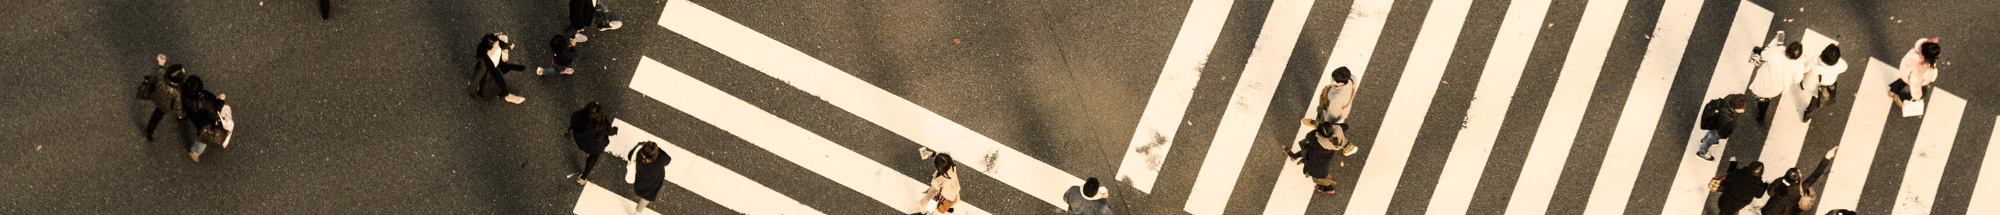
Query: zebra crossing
{"x": 1382, "y": 179}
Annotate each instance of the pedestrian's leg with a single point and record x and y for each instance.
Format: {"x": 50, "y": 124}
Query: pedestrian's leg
{"x": 642, "y": 206}
{"x": 1707, "y": 141}
{"x": 324, "y": 7}
{"x": 588, "y": 163}
{"x": 605, "y": 20}
{"x": 195, "y": 148}
{"x": 152, "y": 123}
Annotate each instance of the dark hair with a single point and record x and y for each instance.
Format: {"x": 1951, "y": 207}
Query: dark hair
{"x": 1090, "y": 187}
{"x": 1738, "y": 102}
{"x": 1930, "y": 52}
{"x": 1756, "y": 169}
{"x": 176, "y": 73}
{"x": 1831, "y": 55}
{"x": 1793, "y": 50}
{"x": 193, "y": 83}
{"x": 1341, "y": 75}
{"x": 1792, "y": 175}
{"x": 943, "y": 164}
{"x": 648, "y": 151}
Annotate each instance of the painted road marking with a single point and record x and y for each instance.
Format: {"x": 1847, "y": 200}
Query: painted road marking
{"x": 780, "y": 137}
{"x": 1155, "y": 134}
{"x": 1642, "y": 108}
{"x": 1930, "y": 153}
{"x": 1467, "y": 162}
{"x": 1432, "y": 51}
{"x": 1987, "y": 189}
{"x": 1689, "y": 191}
{"x": 843, "y": 90}
{"x": 1353, "y": 49}
{"x": 1245, "y": 115}
{"x": 1557, "y": 132}
{"x": 691, "y": 172}
{"x": 1859, "y": 140}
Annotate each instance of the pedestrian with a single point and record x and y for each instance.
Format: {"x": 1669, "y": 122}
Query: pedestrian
{"x": 943, "y": 192}
{"x": 1793, "y": 193}
{"x": 205, "y": 111}
{"x": 164, "y": 92}
{"x": 1739, "y": 186}
{"x": 590, "y": 13}
{"x": 1820, "y": 78}
{"x": 564, "y": 52}
{"x": 1316, "y": 153}
{"x": 1774, "y": 75}
{"x": 1719, "y": 118}
{"x": 651, "y": 173}
{"x": 1918, "y": 70}
{"x": 1335, "y": 100}
{"x": 591, "y": 129}
{"x": 489, "y": 83}
{"x": 1839, "y": 212}
{"x": 1089, "y": 199}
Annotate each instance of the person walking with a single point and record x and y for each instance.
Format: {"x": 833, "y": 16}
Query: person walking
{"x": 1316, "y": 153}
{"x": 1088, "y": 199}
{"x": 1336, "y": 100}
{"x": 489, "y": 83}
{"x": 1793, "y": 194}
{"x": 651, "y": 167}
{"x": 1774, "y": 75}
{"x": 564, "y": 53}
{"x": 1918, "y": 70}
{"x": 591, "y": 129}
{"x": 1739, "y": 186}
{"x": 1820, "y": 78}
{"x": 1719, "y": 118}
{"x": 205, "y": 118}
{"x": 590, "y": 13}
{"x": 943, "y": 192}
{"x": 164, "y": 92}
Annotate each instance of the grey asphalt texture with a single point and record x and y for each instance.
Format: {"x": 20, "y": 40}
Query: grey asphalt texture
{"x": 365, "y": 113}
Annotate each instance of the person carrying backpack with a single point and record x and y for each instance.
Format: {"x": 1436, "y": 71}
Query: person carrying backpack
{"x": 1793, "y": 193}
{"x": 1719, "y": 118}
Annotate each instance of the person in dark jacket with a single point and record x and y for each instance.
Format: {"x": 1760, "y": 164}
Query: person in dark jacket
{"x": 1793, "y": 194}
{"x": 592, "y": 130}
{"x": 1088, "y": 199}
{"x": 489, "y": 83}
{"x": 204, "y": 117}
{"x": 584, "y": 14}
{"x": 564, "y": 49}
{"x": 1719, "y": 118}
{"x": 1741, "y": 186}
{"x": 1316, "y": 152}
{"x": 651, "y": 173}
{"x": 165, "y": 93}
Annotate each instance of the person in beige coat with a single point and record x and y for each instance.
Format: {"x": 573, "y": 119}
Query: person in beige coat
{"x": 943, "y": 192}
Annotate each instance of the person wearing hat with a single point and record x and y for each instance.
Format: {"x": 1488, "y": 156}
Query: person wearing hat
{"x": 1091, "y": 198}
{"x": 1317, "y": 150}
{"x": 1793, "y": 193}
{"x": 164, "y": 92}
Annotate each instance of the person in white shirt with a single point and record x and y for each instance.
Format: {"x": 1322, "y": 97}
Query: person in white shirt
{"x": 1819, "y": 79}
{"x": 1918, "y": 70}
{"x": 1775, "y": 74}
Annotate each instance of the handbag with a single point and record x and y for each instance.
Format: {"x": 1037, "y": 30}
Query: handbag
{"x": 146, "y": 87}
{"x": 1715, "y": 184}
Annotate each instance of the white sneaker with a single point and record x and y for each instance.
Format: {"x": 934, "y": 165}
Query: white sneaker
{"x": 516, "y": 99}
{"x": 614, "y": 25}
{"x": 580, "y": 38}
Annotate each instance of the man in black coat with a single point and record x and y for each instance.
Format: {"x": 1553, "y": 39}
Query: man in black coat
{"x": 1719, "y": 118}
{"x": 165, "y": 93}
{"x": 592, "y": 130}
{"x": 651, "y": 165}
{"x": 1741, "y": 186}
{"x": 1793, "y": 193}
{"x": 1317, "y": 151}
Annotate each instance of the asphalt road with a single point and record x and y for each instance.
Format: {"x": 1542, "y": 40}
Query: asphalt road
{"x": 364, "y": 113}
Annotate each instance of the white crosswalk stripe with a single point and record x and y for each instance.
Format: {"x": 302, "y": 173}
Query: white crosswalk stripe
{"x": 1614, "y": 186}
{"x": 1988, "y": 187}
{"x": 1164, "y": 110}
{"x": 1927, "y": 158}
{"x": 1250, "y": 100}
